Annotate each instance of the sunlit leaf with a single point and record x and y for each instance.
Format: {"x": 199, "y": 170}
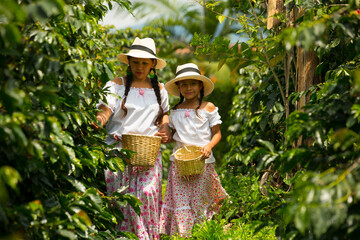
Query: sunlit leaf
{"x": 66, "y": 233}
{"x": 220, "y": 18}
{"x": 10, "y": 176}
{"x": 267, "y": 144}
{"x": 77, "y": 184}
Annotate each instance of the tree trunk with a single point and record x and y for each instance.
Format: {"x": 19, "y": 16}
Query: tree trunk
{"x": 304, "y": 77}
{"x": 305, "y": 69}
{"x": 289, "y": 58}
{"x": 274, "y": 7}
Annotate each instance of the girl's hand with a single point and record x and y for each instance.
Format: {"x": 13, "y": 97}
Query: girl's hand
{"x": 206, "y": 151}
{"x": 102, "y": 116}
{"x": 163, "y": 135}
{"x": 164, "y": 131}
{"x": 95, "y": 126}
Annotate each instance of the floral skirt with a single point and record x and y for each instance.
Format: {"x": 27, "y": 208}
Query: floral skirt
{"x": 190, "y": 200}
{"x": 146, "y": 186}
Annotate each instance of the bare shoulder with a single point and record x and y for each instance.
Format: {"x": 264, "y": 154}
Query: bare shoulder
{"x": 208, "y": 106}
{"x": 160, "y": 86}
{"x": 118, "y": 81}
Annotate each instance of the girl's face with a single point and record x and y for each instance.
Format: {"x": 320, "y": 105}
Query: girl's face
{"x": 190, "y": 88}
{"x": 140, "y": 67}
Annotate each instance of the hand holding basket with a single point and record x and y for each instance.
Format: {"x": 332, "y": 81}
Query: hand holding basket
{"x": 146, "y": 149}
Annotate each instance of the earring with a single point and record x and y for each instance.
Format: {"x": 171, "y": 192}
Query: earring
{"x": 152, "y": 73}
{"x": 128, "y": 71}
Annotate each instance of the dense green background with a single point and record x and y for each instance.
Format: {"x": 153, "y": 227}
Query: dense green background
{"x": 55, "y": 59}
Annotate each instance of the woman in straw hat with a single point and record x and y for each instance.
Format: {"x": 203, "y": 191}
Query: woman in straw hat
{"x": 141, "y": 109}
{"x": 189, "y": 200}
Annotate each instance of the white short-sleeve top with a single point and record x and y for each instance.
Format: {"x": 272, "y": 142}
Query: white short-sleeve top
{"x": 192, "y": 129}
{"x": 142, "y": 107}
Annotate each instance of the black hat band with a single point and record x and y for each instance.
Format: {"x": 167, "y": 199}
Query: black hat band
{"x": 188, "y": 69}
{"x": 146, "y": 49}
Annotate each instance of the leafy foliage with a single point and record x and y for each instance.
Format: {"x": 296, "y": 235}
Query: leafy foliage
{"x": 55, "y": 59}
{"x": 322, "y": 171}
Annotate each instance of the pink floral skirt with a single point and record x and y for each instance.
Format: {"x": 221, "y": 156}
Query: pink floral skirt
{"x": 146, "y": 186}
{"x": 189, "y": 201}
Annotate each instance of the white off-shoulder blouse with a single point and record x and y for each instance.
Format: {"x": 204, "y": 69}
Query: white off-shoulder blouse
{"x": 142, "y": 107}
{"x": 193, "y": 130}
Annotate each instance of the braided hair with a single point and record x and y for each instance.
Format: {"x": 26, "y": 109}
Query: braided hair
{"x": 155, "y": 86}
{"x": 128, "y": 82}
{"x": 200, "y": 100}
{"x": 181, "y": 99}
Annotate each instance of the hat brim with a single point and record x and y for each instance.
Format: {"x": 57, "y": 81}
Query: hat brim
{"x": 173, "y": 89}
{"x": 123, "y": 57}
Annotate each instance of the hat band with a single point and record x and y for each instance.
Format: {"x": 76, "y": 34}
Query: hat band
{"x": 188, "y": 69}
{"x": 143, "y": 48}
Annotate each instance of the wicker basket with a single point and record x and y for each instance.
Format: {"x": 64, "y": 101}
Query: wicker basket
{"x": 188, "y": 161}
{"x": 146, "y": 149}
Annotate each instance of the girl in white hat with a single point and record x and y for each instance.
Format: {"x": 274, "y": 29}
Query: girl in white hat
{"x": 189, "y": 200}
{"x": 141, "y": 109}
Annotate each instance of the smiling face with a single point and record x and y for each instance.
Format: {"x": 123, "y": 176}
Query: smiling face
{"x": 140, "y": 67}
{"x": 190, "y": 88}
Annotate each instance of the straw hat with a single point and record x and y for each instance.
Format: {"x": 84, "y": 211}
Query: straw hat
{"x": 188, "y": 71}
{"x": 142, "y": 48}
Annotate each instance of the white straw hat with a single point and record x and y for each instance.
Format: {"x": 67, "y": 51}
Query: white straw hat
{"x": 142, "y": 48}
{"x": 188, "y": 71}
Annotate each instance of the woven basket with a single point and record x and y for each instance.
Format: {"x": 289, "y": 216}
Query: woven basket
{"x": 146, "y": 149}
{"x": 188, "y": 161}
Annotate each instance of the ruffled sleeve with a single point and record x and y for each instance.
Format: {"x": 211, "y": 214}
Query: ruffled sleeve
{"x": 111, "y": 89}
{"x": 214, "y": 117}
{"x": 164, "y": 99}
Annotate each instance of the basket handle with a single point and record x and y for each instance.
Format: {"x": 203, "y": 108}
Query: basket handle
{"x": 186, "y": 148}
{"x": 176, "y": 148}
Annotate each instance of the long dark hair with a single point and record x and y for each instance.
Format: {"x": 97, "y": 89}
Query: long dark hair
{"x": 200, "y": 99}
{"x": 155, "y": 86}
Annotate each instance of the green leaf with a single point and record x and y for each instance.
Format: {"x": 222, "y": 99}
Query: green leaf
{"x": 263, "y": 122}
{"x": 79, "y": 222}
{"x": 320, "y": 218}
{"x": 77, "y": 184}
{"x": 356, "y": 77}
{"x": 220, "y": 18}
{"x": 76, "y": 118}
{"x": 294, "y": 157}
{"x": 277, "y": 117}
{"x": 267, "y": 144}
{"x": 38, "y": 150}
{"x": 302, "y": 218}
{"x": 108, "y": 217}
{"x": 95, "y": 199}
{"x": 108, "y": 72}
{"x": 130, "y": 199}
{"x": 66, "y": 138}
{"x": 94, "y": 157}
{"x": 118, "y": 215}
{"x": 19, "y": 134}
{"x": 13, "y": 35}
{"x": 66, "y": 233}
{"x": 221, "y": 63}
{"x": 10, "y": 176}
{"x": 272, "y": 98}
